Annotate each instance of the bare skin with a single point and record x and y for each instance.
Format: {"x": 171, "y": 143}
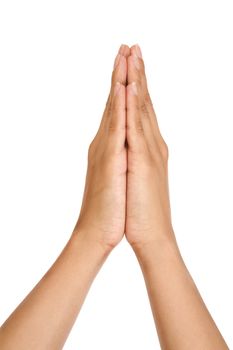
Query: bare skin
{"x": 148, "y": 208}
{"x": 181, "y": 317}
{"x": 127, "y": 192}
{"x": 104, "y": 199}
{"x": 44, "y": 319}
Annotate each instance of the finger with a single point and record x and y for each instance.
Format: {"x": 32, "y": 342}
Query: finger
{"x": 138, "y": 70}
{"x": 124, "y": 50}
{"x": 119, "y": 74}
{"x": 136, "y": 52}
{"x": 134, "y": 127}
{"x": 143, "y": 113}
{"x": 114, "y": 123}
{"x": 116, "y": 120}
{"x": 118, "y": 77}
{"x": 120, "y": 69}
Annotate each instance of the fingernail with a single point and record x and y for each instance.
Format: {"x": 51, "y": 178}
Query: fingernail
{"x": 134, "y": 88}
{"x": 136, "y": 61}
{"x": 117, "y": 60}
{"x": 122, "y": 49}
{"x": 138, "y": 51}
{"x": 117, "y": 88}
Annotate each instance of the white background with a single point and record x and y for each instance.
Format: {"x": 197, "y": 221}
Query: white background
{"x": 56, "y": 59}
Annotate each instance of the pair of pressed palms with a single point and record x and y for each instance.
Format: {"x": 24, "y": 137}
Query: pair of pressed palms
{"x": 126, "y": 192}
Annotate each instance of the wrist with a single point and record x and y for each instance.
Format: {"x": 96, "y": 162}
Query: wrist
{"x": 162, "y": 247}
{"x": 84, "y": 240}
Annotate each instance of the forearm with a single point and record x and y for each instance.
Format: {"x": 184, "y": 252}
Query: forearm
{"x": 44, "y": 319}
{"x": 182, "y": 319}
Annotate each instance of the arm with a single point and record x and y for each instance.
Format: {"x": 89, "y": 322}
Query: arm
{"x": 181, "y": 317}
{"x": 45, "y": 317}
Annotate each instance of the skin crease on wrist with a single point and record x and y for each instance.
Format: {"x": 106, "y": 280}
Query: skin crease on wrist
{"x": 126, "y": 192}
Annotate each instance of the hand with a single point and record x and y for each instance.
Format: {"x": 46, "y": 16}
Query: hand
{"x": 148, "y": 209}
{"x": 102, "y": 216}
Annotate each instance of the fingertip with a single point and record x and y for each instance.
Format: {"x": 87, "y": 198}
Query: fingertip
{"x": 136, "y": 50}
{"x": 124, "y": 50}
{"x": 118, "y": 60}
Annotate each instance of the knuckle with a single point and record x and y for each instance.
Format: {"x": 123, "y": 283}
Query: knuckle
{"x": 116, "y": 77}
{"x": 148, "y": 165}
{"x": 113, "y": 78}
{"x": 139, "y": 126}
{"x": 91, "y": 149}
{"x": 108, "y": 159}
{"x": 147, "y": 98}
{"x": 112, "y": 147}
{"x": 112, "y": 126}
{"x": 135, "y": 126}
{"x": 142, "y": 64}
{"x": 112, "y": 108}
{"x": 142, "y": 109}
{"x": 138, "y": 81}
{"x": 164, "y": 150}
{"x": 107, "y": 102}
